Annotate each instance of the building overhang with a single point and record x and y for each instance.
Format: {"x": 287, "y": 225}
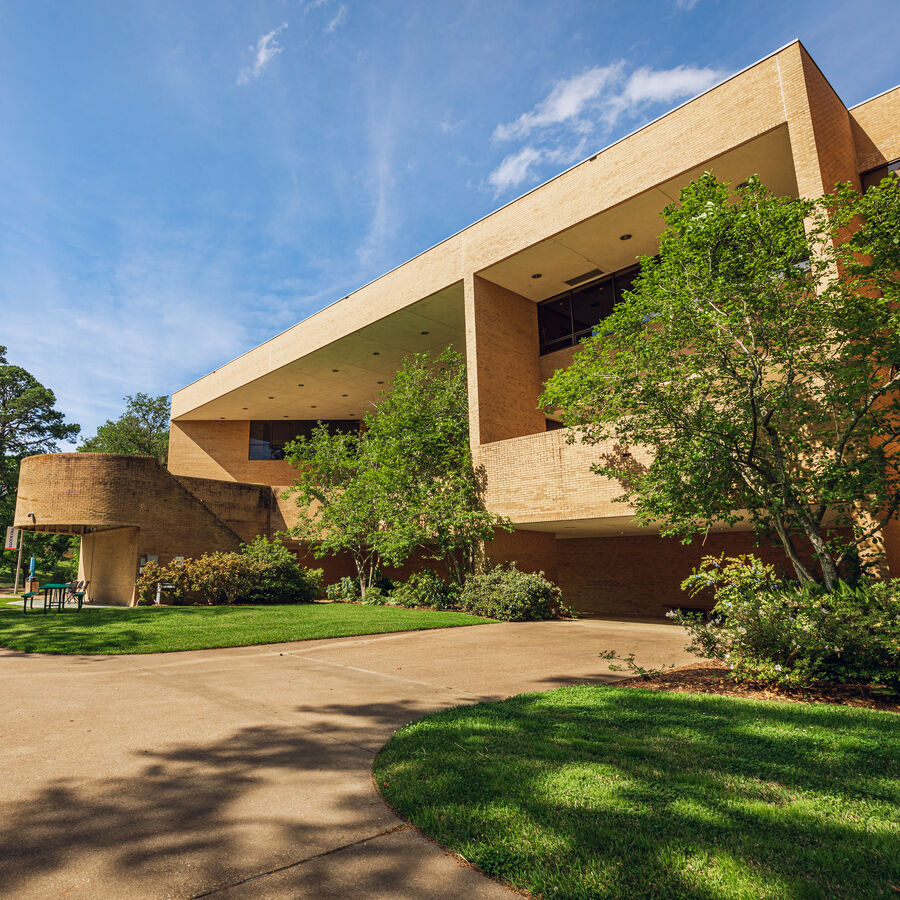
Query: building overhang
{"x": 597, "y": 242}
{"x": 342, "y": 378}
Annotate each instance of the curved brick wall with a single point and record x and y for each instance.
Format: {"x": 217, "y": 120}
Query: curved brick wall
{"x": 98, "y": 490}
{"x": 127, "y": 506}
{"x": 123, "y": 506}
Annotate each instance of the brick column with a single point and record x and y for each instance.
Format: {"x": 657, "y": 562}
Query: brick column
{"x": 503, "y": 356}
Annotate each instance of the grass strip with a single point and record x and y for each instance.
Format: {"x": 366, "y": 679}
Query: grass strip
{"x": 162, "y": 629}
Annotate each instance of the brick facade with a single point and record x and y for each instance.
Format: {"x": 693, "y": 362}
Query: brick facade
{"x": 779, "y": 118}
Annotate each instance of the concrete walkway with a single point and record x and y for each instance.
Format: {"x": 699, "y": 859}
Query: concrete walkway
{"x": 247, "y": 772}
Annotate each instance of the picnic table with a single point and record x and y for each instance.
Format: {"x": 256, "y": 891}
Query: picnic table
{"x": 53, "y": 593}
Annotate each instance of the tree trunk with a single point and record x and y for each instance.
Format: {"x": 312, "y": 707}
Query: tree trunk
{"x": 804, "y": 576}
{"x": 830, "y": 574}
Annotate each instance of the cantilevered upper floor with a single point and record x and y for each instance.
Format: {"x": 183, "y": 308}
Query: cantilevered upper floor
{"x": 516, "y": 290}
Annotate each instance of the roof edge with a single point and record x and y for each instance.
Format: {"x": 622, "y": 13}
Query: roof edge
{"x": 493, "y": 212}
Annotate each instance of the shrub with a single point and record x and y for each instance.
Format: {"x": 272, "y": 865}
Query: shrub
{"x": 280, "y": 578}
{"x": 344, "y": 591}
{"x": 506, "y": 593}
{"x": 425, "y": 589}
{"x": 347, "y": 590}
{"x": 261, "y": 572}
{"x": 766, "y": 630}
{"x": 376, "y": 596}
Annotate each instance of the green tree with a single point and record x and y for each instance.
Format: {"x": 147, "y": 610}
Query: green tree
{"x": 29, "y": 424}
{"x": 142, "y": 430}
{"x": 403, "y": 485}
{"x": 761, "y": 382}
{"x": 418, "y": 434}
{"x": 337, "y": 490}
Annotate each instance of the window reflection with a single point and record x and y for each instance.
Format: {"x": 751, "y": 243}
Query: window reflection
{"x": 875, "y": 176}
{"x": 268, "y": 438}
{"x": 567, "y": 318}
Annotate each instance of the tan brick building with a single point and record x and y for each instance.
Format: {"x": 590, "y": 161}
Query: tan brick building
{"x": 514, "y": 292}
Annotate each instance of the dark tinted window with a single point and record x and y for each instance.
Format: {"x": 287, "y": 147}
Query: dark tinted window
{"x": 624, "y": 281}
{"x": 875, "y": 176}
{"x": 569, "y": 317}
{"x": 555, "y": 321}
{"x": 591, "y": 305}
{"x": 267, "y": 438}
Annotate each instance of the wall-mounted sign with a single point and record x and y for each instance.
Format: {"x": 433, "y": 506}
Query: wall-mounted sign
{"x": 12, "y": 539}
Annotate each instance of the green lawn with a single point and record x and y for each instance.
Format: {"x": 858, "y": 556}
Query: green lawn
{"x": 159, "y": 629}
{"x": 626, "y": 793}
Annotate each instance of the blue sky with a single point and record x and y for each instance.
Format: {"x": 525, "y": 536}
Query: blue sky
{"x": 180, "y": 181}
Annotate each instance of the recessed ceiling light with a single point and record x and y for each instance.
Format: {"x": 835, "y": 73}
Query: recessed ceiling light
{"x": 624, "y": 237}
{"x": 343, "y": 395}
{"x": 537, "y": 275}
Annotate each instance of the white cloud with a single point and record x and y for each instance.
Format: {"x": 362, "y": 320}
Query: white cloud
{"x": 686, "y": 5}
{"x": 648, "y": 86}
{"x": 514, "y": 169}
{"x": 448, "y": 126}
{"x": 566, "y": 101}
{"x": 581, "y": 106}
{"x": 265, "y": 50}
{"x": 518, "y": 167}
{"x": 339, "y": 19}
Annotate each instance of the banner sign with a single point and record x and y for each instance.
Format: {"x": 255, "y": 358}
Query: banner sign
{"x": 12, "y": 539}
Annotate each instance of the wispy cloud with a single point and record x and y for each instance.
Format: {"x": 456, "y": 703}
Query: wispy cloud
{"x": 519, "y": 167}
{"x": 515, "y": 168}
{"x": 264, "y": 51}
{"x": 578, "y": 108}
{"x": 448, "y": 126}
{"x": 565, "y": 102}
{"x": 686, "y": 5}
{"x": 340, "y": 17}
{"x": 647, "y": 85}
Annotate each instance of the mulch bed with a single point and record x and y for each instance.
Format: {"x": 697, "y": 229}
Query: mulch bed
{"x": 707, "y": 678}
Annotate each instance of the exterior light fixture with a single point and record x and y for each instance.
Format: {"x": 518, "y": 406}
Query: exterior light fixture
{"x": 423, "y": 332}
{"x": 299, "y": 385}
{"x": 624, "y": 237}
{"x": 376, "y": 353}
{"x": 334, "y": 370}
{"x": 537, "y": 275}
{"x": 381, "y": 382}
